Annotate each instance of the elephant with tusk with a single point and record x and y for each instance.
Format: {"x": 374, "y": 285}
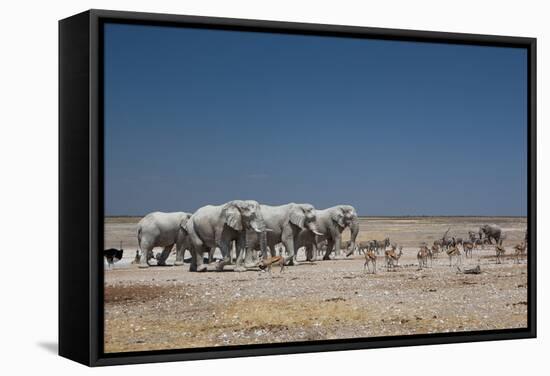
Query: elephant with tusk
{"x": 331, "y": 223}
{"x": 219, "y": 226}
{"x": 160, "y": 229}
{"x": 285, "y": 222}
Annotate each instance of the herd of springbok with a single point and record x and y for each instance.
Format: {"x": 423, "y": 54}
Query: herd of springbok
{"x": 426, "y": 254}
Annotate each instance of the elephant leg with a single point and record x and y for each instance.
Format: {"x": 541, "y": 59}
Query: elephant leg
{"x": 239, "y": 257}
{"x": 330, "y": 245}
{"x": 225, "y": 249}
{"x": 241, "y": 250}
{"x": 193, "y": 265}
{"x": 180, "y": 255}
{"x": 146, "y": 250}
{"x": 315, "y": 251}
{"x": 282, "y": 250}
{"x": 337, "y": 245}
{"x": 251, "y": 256}
{"x": 211, "y": 255}
{"x": 309, "y": 252}
{"x": 272, "y": 250}
{"x": 232, "y": 254}
{"x": 161, "y": 261}
{"x": 197, "y": 262}
{"x": 181, "y": 244}
{"x": 289, "y": 245}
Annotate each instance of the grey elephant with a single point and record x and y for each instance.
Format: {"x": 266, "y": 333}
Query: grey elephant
{"x": 331, "y": 223}
{"x": 221, "y": 225}
{"x": 285, "y": 222}
{"x": 491, "y": 232}
{"x": 160, "y": 229}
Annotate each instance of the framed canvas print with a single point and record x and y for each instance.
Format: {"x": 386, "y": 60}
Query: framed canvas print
{"x": 238, "y": 187}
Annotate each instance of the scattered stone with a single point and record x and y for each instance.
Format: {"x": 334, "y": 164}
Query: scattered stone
{"x": 338, "y": 299}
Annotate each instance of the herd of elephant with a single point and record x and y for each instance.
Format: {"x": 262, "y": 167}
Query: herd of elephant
{"x": 247, "y": 226}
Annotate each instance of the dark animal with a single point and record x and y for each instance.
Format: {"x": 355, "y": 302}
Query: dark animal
{"x": 445, "y": 242}
{"x": 473, "y": 236}
{"x": 381, "y": 245}
{"x": 363, "y": 246}
{"x": 491, "y": 232}
{"x": 112, "y": 255}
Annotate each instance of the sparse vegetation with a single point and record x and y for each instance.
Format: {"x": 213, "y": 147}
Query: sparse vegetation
{"x": 169, "y": 308}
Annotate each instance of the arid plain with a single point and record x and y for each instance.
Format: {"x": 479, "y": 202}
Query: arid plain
{"x": 172, "y": 308}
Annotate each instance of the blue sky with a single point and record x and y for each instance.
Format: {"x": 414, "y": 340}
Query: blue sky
{"x": 195, "y": 116}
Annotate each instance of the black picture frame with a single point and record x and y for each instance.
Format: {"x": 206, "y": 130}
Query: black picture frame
{"x": 81, "y": 186}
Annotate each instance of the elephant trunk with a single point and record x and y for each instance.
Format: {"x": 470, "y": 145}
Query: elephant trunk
{"x": 354, "y": 227}
{"x": 263, "y": 244}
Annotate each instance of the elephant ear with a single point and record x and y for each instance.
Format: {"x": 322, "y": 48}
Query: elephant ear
{"x": 297, "y": 216}
{"x": 338, "y": 217}
{"x": 232, "y": 217}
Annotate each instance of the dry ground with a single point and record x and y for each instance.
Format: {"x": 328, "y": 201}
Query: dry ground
{"x": 169, "y": 307}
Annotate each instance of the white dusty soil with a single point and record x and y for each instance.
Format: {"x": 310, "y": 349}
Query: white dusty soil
{"x": 170, "y": 307}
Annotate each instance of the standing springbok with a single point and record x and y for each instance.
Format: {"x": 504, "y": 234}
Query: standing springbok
{"x": 520, "y": 250}
{"x": 370, "y": 257}
{"x": 478, "y": 243}
{"x": 423, "y": 255}
{"x": 500, "y": 250}
{"x": 392, "y": 258}
{"x": 468, "y": 247}
{"x": 454, "y": 252}
{"x": 435, "y": 250}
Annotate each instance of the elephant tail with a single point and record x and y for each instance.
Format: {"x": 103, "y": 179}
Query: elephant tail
{"x": 139, "y": 237}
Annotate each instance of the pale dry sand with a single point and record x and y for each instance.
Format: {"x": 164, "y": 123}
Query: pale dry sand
{"x": 170, "y": 307}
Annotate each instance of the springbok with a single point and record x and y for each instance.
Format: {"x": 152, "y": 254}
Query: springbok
{"x": 454, "y": 252}
{"x": 468, "y": 247}
{"x": 499, "y": 249}
{"x": 520, "y": 250}
{"x": 266, "y": 264}
{"x": 423, "y": 255}
{"x": 435, "y": 250}
{"x": 370, "y": 257}
{"x": 392, "y": 257}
